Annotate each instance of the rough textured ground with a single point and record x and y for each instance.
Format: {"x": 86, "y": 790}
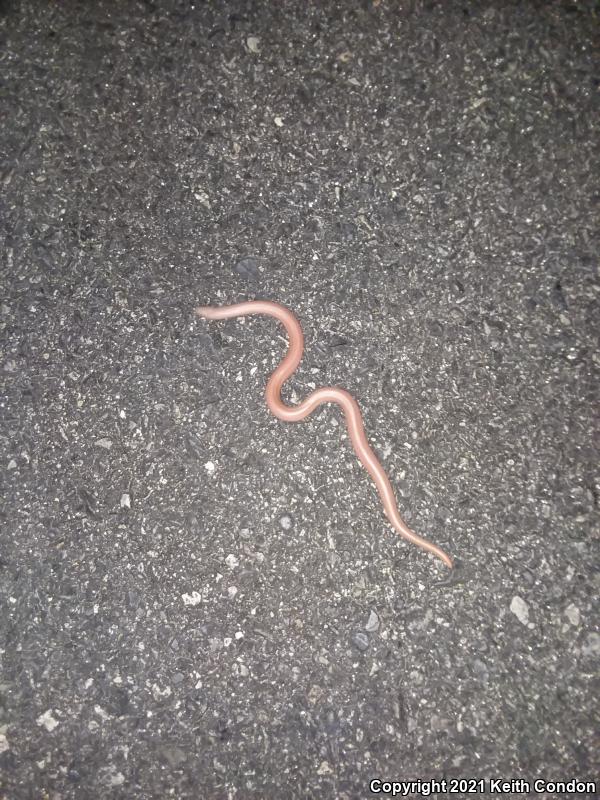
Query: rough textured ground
{"x": 199, "y": 600}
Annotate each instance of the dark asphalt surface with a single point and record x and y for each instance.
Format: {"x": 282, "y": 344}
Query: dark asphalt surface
{"x": 199, "y": 601}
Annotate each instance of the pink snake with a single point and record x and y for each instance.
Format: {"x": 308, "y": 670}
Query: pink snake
{"x": 327, "y": 394}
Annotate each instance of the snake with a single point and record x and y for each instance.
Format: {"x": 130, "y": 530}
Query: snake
{"x": 326, "y": 394}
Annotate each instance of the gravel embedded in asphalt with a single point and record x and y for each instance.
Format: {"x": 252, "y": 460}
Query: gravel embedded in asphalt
{"x": 199, "y": 600}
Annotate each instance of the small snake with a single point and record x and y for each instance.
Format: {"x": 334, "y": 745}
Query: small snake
{"x": 327, "y": 394}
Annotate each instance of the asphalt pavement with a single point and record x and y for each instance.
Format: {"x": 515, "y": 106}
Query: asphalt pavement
{"x": 201, "y": 601}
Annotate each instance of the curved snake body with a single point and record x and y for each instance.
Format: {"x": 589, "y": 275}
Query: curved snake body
{"x": 327, "y": 394}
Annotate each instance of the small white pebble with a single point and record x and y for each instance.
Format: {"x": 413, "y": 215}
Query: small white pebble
{"x": 372, "y": 622}
{"x": 286, "y": 522}
{"x": 209, "y": 467}
{"x": 231, "y": 561}
{"x": 46, "y": 720}
{"x": 572, "y": 614}
{"x": 592, "y": 645}
{"x": 12, "y": 464}
{"x": 125, "y": 501}
{"x": 101, "y": 712}
{"x": 232, "y": 591}
{"x": 278, "y": 121}
{"x": 520, "y": 609}
{"x": 192, "y": 599}
{"x": 104, "y": 443}
{"x": 115, "y": 779}
{"x": 239, "y": 635}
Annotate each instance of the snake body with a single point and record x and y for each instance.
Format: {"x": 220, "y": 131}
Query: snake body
{"x": 327, "y": 394}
